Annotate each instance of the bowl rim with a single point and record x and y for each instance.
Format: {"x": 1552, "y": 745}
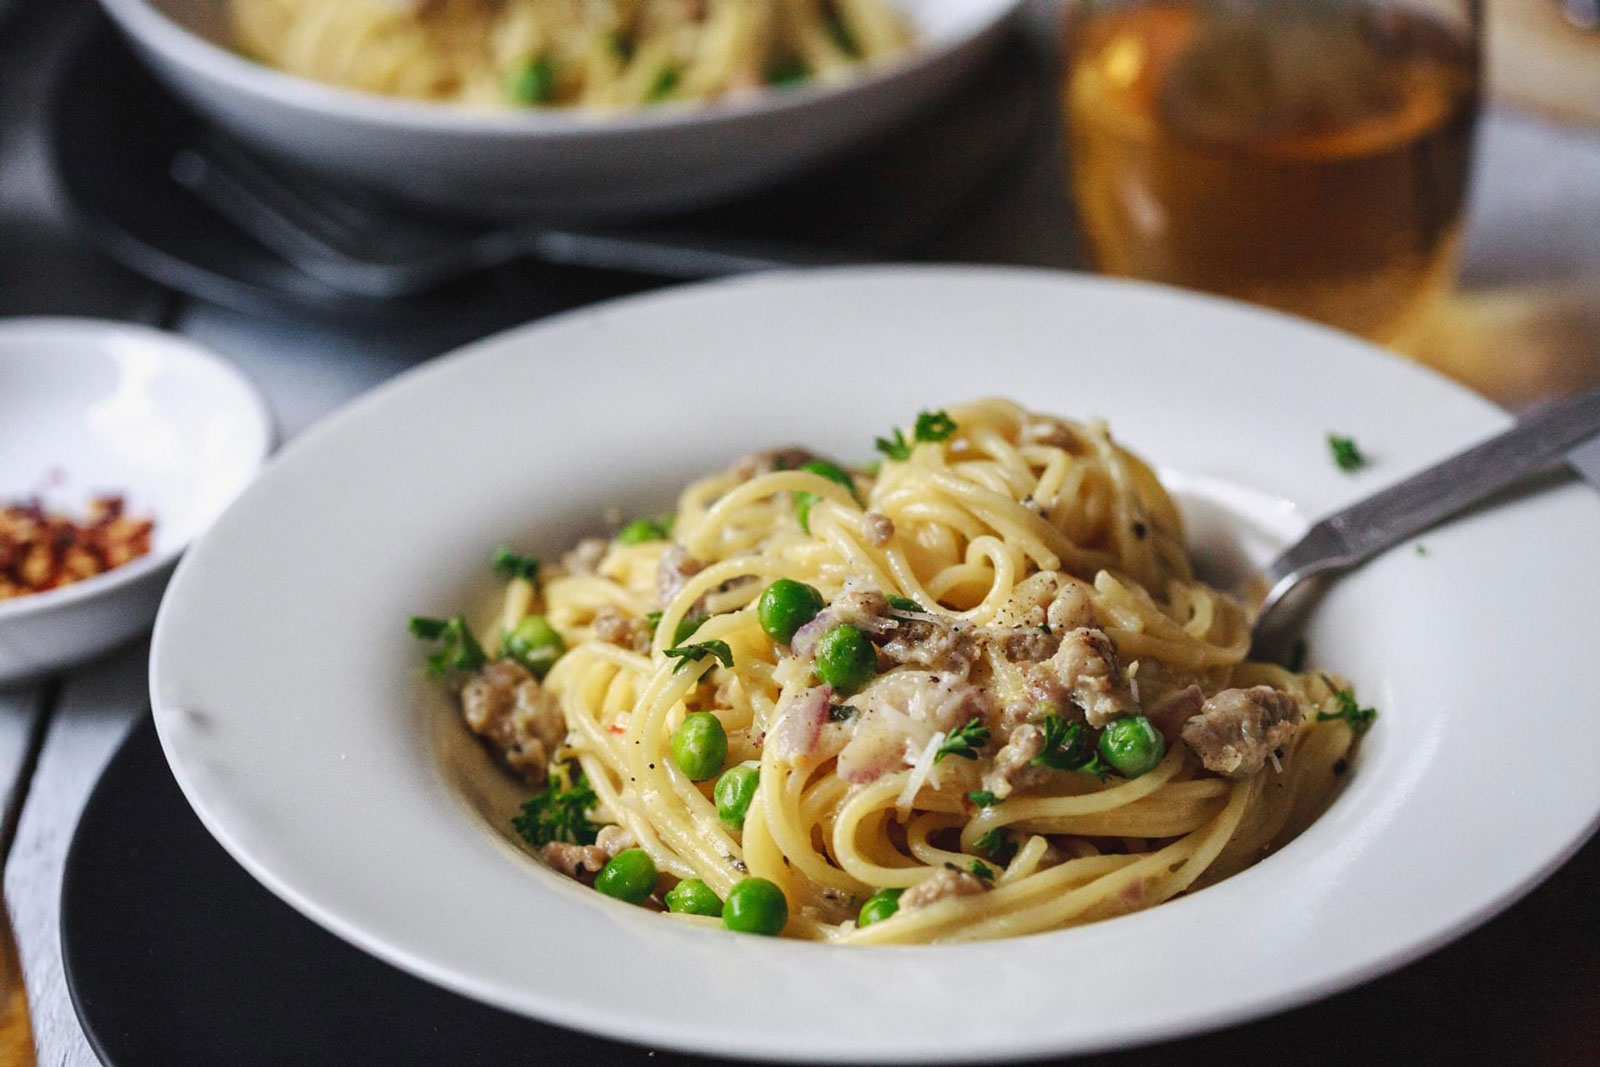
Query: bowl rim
{"x": 175, "y": 347}
{"x": 186, "y": 728}
{"x": 154, "y": 29}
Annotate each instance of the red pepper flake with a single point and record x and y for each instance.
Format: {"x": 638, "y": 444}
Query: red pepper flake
{"x": 41, "y": 550}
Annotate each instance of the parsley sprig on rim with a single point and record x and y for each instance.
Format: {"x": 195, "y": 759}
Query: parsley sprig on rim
{"x": 931, "y": 426}
{"x": 1347, "y": 455}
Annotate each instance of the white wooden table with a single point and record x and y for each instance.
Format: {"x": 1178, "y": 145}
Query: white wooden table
{"x": 1535, "y": 221}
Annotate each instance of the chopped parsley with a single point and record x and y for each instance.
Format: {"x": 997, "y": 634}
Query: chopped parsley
{"x": 983, "y": 798}
{"x": 686, "y": 625}
{"x": 997, "y": 845}
{"x": 896, "y": 447}
{"x": 964, "y": 741}
{"x": 458, "y": 649}
{"x": 1422, "y": 549}
{"x": 842, "y": 712}
{"x": 1358, "y": 717}
{"x": 981, "y": 871}
{"x": 840, "y": 32}
{"x": 1297, "y": 657}
{"x": 788, "y": 71}
{"x": 1347, "y": 455}
{"x": 687, "y": 654}
{"x": 904, "y": 603}
{"x": 935, "y": 426}
{"x": 621, "y": 45}
{"x": 509, "y": 563}
{"x": 931, "y": 426}
{"x": 666, "y": 80}
{"x": 1070, "y": 747}
{"x": 558, "y": 814}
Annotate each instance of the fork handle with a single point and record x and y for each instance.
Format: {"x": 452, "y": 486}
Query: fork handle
{"x": 662, "y": 254}
{"x": 1428, "y": 498}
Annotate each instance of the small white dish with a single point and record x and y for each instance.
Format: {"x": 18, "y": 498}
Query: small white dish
{"x": 339, "y": 776}
{"x": 89, "y": 408}
{"x": 563, "y": 163}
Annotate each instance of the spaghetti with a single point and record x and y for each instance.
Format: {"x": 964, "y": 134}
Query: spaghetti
{"x": 598, "y": 54}
{"x": 974, "y": 693}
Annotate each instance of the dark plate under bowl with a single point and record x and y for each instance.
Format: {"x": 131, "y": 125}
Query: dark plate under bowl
{"x": 178, "y": 958}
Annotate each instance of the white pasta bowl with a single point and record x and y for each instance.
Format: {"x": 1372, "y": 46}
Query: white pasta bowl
{"x": 325, "y": 762}
{"x": 555, "y": 163}
{"x": 90, "y": 408}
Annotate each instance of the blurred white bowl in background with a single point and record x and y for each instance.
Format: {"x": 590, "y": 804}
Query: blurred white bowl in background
{"x": 561, "y": 163}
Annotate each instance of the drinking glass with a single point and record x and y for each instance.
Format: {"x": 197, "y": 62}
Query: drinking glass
{"x": 16, "y": 1036}
{"x": 1309, "y": 155}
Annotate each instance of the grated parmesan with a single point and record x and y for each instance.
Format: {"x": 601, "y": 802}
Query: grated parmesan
{"x": 919, "y": 775}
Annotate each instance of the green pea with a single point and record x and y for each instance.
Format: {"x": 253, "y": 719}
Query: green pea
{"x": 803, "y": 500}
{"x": 533, "y": 83}
{"x": 733, "y": 793}
{"x": 1132, "y": 745}
{"x": 756, "y": 906}
{"x": 693, "y": 897}
{"x": 534, "y": 643}
{"x": 631, "y": 876}
{"x": 700, "y": 745}
{"x": 846, "y": 660}
{"x": 785, "y": 606}
{"x": 639, "y": 531}
{"x": 879, "y": 906}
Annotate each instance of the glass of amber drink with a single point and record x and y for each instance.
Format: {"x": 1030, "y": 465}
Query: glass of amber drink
{"x": 16, "y": 1036}
{"x": 1309, "y": 155}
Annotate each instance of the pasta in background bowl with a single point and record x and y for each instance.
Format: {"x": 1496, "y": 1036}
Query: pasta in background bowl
{"x": 662, "y": 128}
{"x": 611, "y": 56}
{"x": 299, "y": 722}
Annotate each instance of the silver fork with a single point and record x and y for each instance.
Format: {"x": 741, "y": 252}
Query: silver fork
{"x": 1422, "y": 501}
{"x": 354, "y": 242}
